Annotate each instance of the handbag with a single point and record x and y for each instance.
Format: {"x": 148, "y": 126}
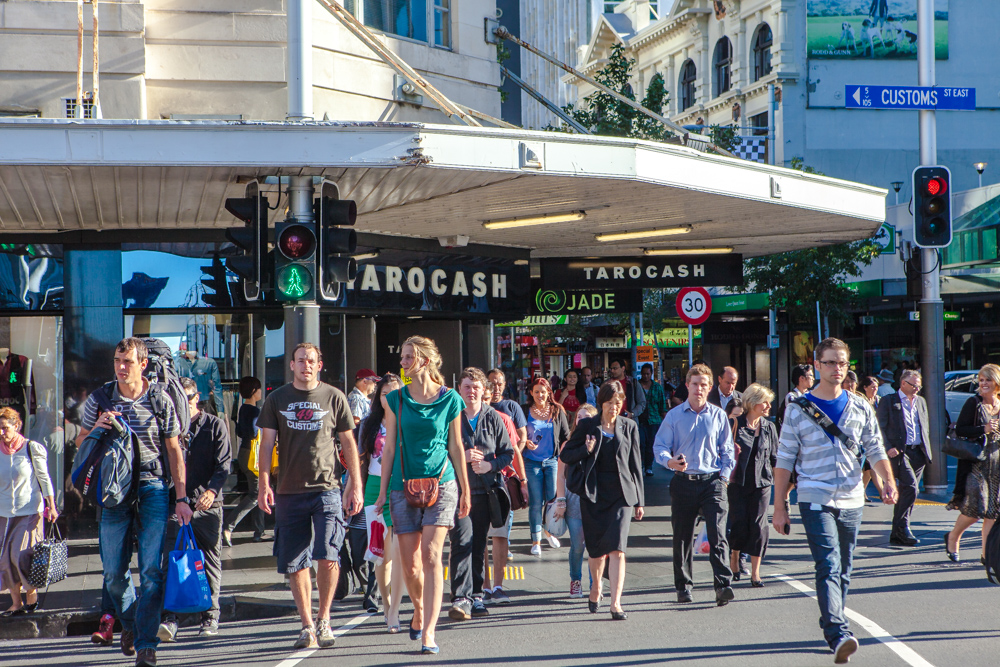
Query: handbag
{"x": 736, "y": 450}
{"x": 422, "y": 491}
{"x": 252, "y": 460}
{"x": 964, "y": 448}
{"x": 518, "y": 498}
{"x": 49, "y": 560}
{"x": 555, "y": 526}
{"x": 499, "y": 504}
{"x": 186, "y": 591}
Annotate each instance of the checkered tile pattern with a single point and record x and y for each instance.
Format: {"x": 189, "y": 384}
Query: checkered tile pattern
{"x": 752, "y": 148}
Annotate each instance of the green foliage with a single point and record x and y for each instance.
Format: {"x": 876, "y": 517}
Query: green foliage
{"x": 503, "y": 55}
{"x": 724, "y": 136}
{"x": 605, "y": 115}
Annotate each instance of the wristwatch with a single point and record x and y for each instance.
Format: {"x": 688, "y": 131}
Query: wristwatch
{"x": 185, "y": 500}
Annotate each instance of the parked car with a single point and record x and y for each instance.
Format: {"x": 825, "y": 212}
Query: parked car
{"x": 958, "y": 387}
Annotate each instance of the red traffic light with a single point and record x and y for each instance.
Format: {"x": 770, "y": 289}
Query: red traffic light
{"x": 297, "y": 242}
{"x": 937, "y": 186}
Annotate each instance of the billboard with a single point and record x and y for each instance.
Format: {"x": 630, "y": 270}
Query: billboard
{"x": 870, "y": 29}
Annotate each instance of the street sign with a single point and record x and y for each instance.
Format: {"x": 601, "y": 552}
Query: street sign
{"x": 885, "y": 237}
{"x": 949, "y": 316}
{"x": 773, "y": 342}
{"x": 909, "y": 97}
{"x": 694, "y": 305}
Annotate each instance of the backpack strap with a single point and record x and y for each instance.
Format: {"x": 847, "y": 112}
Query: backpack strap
{"x": 821, "y": 419}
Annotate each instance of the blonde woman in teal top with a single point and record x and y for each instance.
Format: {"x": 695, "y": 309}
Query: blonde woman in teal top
{"x": 429, "y": 420}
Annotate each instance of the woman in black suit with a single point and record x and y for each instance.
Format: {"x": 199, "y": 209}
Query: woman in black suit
{"x": 604, "y": 466}
{"x": 750, "y": 486}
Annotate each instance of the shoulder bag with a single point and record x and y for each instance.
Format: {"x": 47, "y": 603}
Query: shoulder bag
{"x": 423, "y": 491}
{"x": 964, "y": 449}
{"x": 736, "y": 450}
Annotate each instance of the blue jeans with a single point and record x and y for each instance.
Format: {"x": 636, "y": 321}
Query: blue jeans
{"x": 832, "y": 536}
{"x": 147, "y": 520}
{"x": 541, "y": 489}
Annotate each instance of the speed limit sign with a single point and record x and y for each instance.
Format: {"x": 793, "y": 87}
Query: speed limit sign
{"x": 694, "y": 305}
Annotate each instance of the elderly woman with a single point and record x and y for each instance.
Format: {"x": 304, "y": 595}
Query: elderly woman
{"x": 756, "y": 441}
{"x": 604, "y": 466}
{"x": 25, "y": 489}
{"x": 977, "y": 483}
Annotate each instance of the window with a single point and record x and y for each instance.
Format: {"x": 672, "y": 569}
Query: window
{"x": 442, "y": 23}
{"x": 689, "y": 75}
{"x": 721, "y": 63}
{"x": 414, "y": 19}
{"x": 70, "y": 104}
{"x": 762, "y": 51}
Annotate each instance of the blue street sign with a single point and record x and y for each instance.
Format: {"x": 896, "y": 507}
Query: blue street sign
{"x": 910, "y": 97}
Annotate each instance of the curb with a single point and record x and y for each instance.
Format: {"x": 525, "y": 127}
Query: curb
{"x": 74, "y": 623}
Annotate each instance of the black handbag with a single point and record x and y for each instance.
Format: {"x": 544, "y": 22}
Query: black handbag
{"x": 964, "y": 449}
{"x": 498, "y": 501}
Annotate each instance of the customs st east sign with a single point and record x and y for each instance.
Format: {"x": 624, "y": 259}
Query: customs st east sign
{"x": 632, "y": 272}
{"x": 585, "y": 302}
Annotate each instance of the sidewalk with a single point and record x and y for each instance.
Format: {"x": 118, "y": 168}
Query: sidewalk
{"x": 252, "y": 589}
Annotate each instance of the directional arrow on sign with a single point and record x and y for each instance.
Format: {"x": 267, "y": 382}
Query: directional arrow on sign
{"x": 857, "y": 95}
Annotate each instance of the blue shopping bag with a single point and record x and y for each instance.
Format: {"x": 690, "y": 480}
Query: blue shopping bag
{"x": 187, "y": 588}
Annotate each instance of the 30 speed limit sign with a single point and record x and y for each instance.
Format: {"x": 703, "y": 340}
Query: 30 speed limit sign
{"x": 694, "y": 305}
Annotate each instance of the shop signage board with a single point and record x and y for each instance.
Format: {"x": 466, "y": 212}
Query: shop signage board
{"x": 668, "y": 337}
{"x": 554, "y": 351}
{"x": 537, "y": 321}
{"x": 636, "y": 272}
{"x": 610, "y": 342}
{"x": 584, "y": 302}
{"x": 736, "y": 302}
{"x": 645, "y": 354}
{"x": 949, "y": 316}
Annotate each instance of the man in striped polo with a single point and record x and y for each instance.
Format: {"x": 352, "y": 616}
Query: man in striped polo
{"x": 831, "y": 496}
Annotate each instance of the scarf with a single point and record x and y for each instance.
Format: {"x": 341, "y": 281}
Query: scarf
{"x": 15, "y": 447}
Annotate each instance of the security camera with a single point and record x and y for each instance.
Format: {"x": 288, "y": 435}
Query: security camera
{"x": 453, "y": 241}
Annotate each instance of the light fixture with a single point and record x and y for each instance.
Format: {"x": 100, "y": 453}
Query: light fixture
{"x": 649, "y": 233}
{"x": 521, "y": 262}
{"x": 980, "y": 166}
{"x": 367, "y": 255}
{"x": 688, "y": 251}
{"x": 549, "y": 218}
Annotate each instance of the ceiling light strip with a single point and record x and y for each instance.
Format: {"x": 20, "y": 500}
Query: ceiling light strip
{"x": 548, "y": 219}
{"x": 688, "y": 251}
{"x": 649, "y": 233}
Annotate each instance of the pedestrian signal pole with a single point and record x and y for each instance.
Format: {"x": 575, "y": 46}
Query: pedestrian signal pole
{"x": 301, "y": 317}
{"x": 931, "y": 306}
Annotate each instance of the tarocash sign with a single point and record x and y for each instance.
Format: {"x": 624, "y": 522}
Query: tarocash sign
{"x": 628, "y": 272}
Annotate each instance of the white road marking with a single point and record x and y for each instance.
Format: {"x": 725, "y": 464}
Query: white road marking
{"x": 871, "y": 627}
{"x": 299, "y": 656}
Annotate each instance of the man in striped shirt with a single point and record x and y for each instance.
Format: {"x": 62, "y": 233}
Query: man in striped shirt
{"x": 830, "y": 492}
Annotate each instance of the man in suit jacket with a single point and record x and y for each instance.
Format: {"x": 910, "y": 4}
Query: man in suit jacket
{"x": 725, "y": 391}
{"x": 902, "y": 416}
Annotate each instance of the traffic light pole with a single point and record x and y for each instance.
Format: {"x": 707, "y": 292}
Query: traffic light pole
{"x": 931, "y": 306}
{"x": 301, "y": 319}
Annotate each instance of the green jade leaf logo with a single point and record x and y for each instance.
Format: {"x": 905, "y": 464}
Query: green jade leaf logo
{"x": 550, "y": 301}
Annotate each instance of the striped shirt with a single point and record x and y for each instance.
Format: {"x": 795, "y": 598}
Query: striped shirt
{"x": 138, "y": 414}
{"x": 828, "y": 474}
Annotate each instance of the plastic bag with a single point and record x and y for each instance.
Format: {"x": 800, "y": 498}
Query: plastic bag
{"x": 701, "y": 545}
{"x": 555, "y": 526}
{"x": 187, "y": 590}
{"x": 375, "y": 553}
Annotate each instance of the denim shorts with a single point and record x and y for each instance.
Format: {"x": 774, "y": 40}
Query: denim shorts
{"x": 406, "y": 519}
{"x": 307, "y": 527}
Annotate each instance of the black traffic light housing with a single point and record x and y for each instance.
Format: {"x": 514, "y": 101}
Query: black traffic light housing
{"x": 932, "y": 207}
{"x": 218, "y": 282}
{"x": 295, "y": 261}
{"x": 251, "y": 239}
{"x": 334, "y": 217}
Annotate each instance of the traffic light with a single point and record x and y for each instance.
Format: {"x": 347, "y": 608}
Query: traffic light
{"x": 218, "y": 282}
{"x": 932, "y": 207}
{"x": 251, "y": 239}
{"x": 295, "y": 261}
{"x": 334, "y": 216}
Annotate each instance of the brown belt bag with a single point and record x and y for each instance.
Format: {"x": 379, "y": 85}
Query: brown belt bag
{"x": 423, "y": 491}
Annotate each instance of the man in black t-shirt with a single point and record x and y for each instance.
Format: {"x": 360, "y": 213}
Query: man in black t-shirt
{"x": 498, "y": 381}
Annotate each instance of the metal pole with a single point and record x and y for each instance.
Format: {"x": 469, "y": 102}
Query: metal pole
{"x": 97, "y": 67}
{"x": 631, "y": 325}
{"x": 772, "y": 328}
{"x": 78, "y": 112}
{"x": 300, "y": 97}
{"x": 931, "y": 305}
{"x": 819, "y": 324}
{"x": 301, "y": 319}
{"x": 493, "y": 346}
{"x": 772, "y": 125}
{"x": 690, "y": 346}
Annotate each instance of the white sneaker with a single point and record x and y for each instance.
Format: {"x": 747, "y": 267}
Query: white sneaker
{"x": 510, "y": 556}
{"x": 846, "y": 647}
{"x": 536, "y": 549}
{"x": 553, "y": 540}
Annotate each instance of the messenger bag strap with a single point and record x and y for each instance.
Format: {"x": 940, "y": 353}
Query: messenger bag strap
{"x": 824, "y": 422}
{"x": 399, "y": 433}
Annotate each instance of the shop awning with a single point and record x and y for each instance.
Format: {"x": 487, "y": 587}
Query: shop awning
{"x": 421, "y": 181}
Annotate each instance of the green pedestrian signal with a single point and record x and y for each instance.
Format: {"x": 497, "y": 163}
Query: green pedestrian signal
{"x": 295, "y": 261}
{"x": 294, "y": 282}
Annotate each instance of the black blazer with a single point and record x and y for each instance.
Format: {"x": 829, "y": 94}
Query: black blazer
{"x": 715, "y": 396}
{"x": 756, "y": 473}
{"x": 890, "y": 419}
{"x": 971, "y": 424}
{"x": 629, "y": 457}
{"x": 560, "y": 425}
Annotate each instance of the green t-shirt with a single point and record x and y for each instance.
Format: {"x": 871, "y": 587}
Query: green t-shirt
{"x": 425, "y": 435}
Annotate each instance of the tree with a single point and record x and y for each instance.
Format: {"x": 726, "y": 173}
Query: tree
{"x": 603, "y": 114}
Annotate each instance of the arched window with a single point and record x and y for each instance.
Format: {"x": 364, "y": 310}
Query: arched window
{"x": 721, "y": 64}
{"x": 688, "y": 77}
{"x": 762, "y": 51}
